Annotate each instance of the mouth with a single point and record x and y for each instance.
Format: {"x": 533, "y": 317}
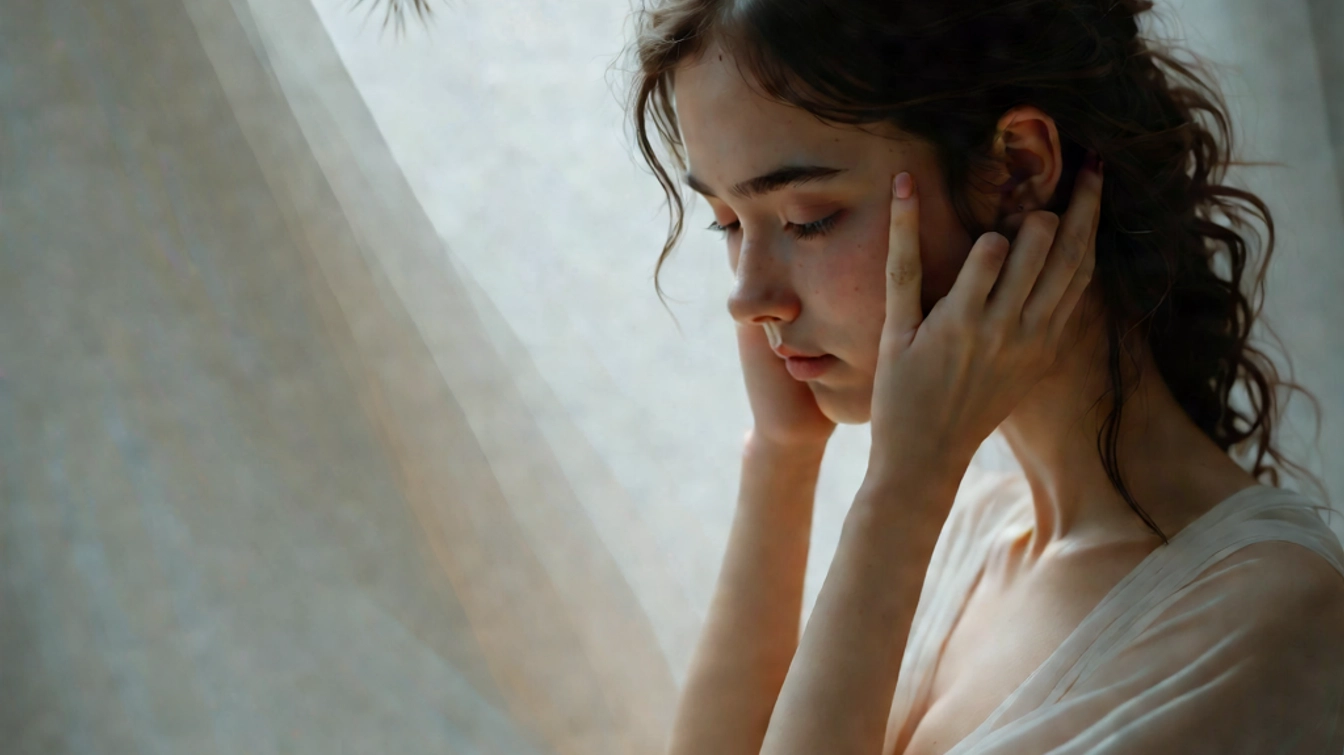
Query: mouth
{"x": 810, "y": 368}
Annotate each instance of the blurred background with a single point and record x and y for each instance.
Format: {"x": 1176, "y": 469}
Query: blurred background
{"x": 338, "y": 413}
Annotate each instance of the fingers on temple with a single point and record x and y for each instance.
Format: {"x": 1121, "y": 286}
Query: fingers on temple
{"x": 1030, "y": 255}
{"x": 904, "y": 273}
{"x": 1082, "y": 276}
{"x": 981, "y": 273}
{"x": 1071, "y": 253}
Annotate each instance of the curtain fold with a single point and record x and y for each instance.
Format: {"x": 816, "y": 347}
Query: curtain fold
{"x": 270, "y": 487}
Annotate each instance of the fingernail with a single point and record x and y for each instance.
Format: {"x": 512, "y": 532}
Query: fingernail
{"x": 905, "y": 186}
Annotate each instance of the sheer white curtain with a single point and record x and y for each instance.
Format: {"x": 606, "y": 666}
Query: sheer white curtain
{"x": 338, "y": 412}
{"x": 275, "y": 480}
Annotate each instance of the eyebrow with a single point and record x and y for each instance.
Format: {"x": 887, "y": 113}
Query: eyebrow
{"x": 779, "y": 178}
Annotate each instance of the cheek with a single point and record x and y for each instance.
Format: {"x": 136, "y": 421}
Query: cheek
{"x": 854, "y": 275}
{"x": 854, "y": 268}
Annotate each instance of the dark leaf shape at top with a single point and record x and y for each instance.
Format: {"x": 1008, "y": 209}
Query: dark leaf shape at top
{"x": 396, "y": 11}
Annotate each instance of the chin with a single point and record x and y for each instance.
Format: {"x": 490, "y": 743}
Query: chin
{"x": 844, "y": 407}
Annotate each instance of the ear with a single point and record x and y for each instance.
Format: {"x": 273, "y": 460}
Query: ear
{"x": 1029, "y": 153}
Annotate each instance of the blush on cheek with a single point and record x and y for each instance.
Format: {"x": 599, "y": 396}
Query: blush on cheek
{"x": 851, "y": 278}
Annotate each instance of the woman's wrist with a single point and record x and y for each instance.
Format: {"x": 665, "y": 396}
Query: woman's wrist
{"x": 898, "y": 461}
{"x": 806, "y": 451}
{"x": 905, "y": 509}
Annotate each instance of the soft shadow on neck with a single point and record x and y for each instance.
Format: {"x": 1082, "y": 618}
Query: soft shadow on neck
{"x": 1170, "y": 467}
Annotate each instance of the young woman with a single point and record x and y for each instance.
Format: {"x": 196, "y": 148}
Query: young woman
{"x": 921, "y": 237}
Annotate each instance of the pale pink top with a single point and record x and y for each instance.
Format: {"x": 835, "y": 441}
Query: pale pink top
{"x": 1183, "y": 655}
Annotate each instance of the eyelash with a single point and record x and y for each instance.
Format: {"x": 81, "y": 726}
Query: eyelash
{"x": 805, "y": 231}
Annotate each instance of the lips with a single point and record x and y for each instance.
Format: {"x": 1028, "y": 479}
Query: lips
{"x": 804, "y": 368}
{"x": 786, "y": 352}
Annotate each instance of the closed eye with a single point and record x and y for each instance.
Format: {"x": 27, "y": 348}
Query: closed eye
{"x": 803, "y": 231}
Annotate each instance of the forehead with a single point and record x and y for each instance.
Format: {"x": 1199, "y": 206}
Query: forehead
{"x": 730, "y": 130}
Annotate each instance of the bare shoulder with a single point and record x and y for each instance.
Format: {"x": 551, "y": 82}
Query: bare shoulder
{"x": 1292, "y": 578}
{"x": 1286, "y": 563}
{"x": 1294, "y": 566}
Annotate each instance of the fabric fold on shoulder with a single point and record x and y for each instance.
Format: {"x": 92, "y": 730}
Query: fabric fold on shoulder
{"x": 1226, "y": 640}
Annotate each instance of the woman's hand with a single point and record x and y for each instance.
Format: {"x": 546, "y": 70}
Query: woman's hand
{"x": 943, "y": 384}
{"x": 785, "y": 412}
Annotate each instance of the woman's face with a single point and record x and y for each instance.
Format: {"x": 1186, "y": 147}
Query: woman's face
{"x": 809, "y": 259}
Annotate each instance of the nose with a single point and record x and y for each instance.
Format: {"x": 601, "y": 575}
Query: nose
{"x": 763, "y": 291}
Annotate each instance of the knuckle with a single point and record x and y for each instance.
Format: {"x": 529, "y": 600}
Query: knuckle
{"x": 998, "y": 322}
{"x": 995, "y": 249}
{"x": 1087, "y": 269}
{"x": 901, "y": 273}
{"x": 1073, "y": 248}
{"x": 993, "y": 340}
{"x": 962, "y": 324}
{"x": 1073, "y": 256}
{"x": 1031, "y": 351}
{"x": 1044, "y": 353}
{"x": 1044, "y": 219}
{"x": 1052, "y": 348}
{"x": 1082, "y": 239}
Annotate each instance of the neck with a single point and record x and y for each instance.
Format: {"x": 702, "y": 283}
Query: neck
{"x": 1053, "y": 433}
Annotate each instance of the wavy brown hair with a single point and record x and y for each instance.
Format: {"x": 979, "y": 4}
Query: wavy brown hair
{"x": 945, "y": 73}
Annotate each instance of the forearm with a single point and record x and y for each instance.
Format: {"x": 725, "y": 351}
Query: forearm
{"x": 837, "y": 695}
{"x": 751, "y": 630}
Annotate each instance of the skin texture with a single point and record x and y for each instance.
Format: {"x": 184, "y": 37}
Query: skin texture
{"x": 827, "y": 295}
